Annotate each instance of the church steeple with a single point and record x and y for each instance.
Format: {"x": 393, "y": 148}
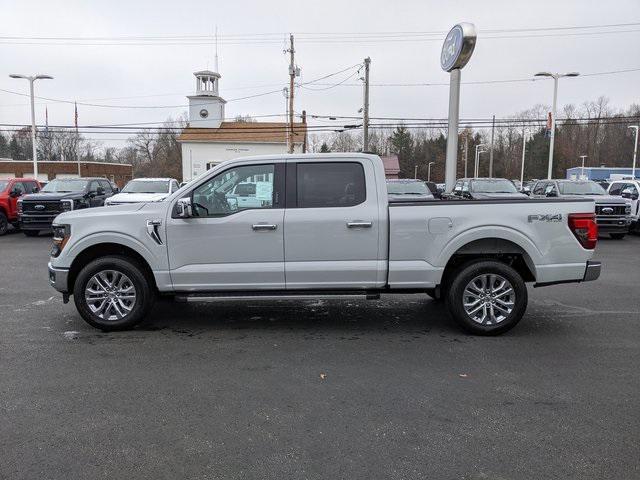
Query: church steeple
{"x": 206, "y": 107}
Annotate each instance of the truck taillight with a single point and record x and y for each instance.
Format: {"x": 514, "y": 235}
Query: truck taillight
{"x": 585, "y": 229}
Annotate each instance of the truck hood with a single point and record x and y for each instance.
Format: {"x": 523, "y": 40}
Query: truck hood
{"x": 45, "y": 196}
{"x": 608, "y": 199}
{"x": 137, "y": 197}
{"x": 93, "y": 214}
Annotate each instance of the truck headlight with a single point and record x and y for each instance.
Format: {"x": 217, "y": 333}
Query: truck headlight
{"x": 19, "y": 207}
{"x": 61, "y": 234}
{"x": 67, "y": 205}
{"x": 627, "y": 210}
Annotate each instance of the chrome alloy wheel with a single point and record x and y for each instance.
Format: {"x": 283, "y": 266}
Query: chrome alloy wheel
{"x": 488, "y": 299}
{"x": 110, "y": 295}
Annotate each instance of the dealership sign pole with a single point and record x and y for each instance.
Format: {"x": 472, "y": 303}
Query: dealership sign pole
{"x": 456, "y": 52}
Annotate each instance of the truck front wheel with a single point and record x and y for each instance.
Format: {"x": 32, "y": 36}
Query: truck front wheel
{"x": 487, "y": 297}
{"x": 112, "y": 293}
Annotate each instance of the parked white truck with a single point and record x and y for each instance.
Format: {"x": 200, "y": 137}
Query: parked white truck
{"x": 327, "y": 229}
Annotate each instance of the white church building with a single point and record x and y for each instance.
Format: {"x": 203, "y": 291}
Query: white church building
{"x": 209, "y": 139}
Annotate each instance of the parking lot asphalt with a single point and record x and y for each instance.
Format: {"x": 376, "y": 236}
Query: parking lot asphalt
{"x": 322, "y": 388}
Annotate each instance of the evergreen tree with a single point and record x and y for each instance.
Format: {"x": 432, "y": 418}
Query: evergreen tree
{"x": 324, "y": 148}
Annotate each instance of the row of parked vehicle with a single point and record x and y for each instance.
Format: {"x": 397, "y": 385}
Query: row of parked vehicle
{"x": 617, "y": 204}
{"x": 31, "y": 206}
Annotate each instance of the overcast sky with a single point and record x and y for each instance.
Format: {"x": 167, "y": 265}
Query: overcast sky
{"x": 159, "y": 74}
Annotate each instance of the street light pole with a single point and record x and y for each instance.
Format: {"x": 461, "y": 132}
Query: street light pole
{"x": 33, "y": 78}
{"x": 556, "y": 77}
{"x": 582, "y": 171}
{"x": 635, "y": 150}
{"x": 415, "y": 172}
{"x": 429, "y": 171}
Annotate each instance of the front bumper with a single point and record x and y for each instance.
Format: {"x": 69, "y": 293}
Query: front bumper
{"x": 613, "y": 225}
{"x": 58, "y": 278}
{"x": 36, "y": 222}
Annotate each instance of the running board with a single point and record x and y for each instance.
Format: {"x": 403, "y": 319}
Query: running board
{"x": 275, "y": 294}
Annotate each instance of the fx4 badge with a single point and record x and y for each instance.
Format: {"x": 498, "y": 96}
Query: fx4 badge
{"x": 545, "y": 218}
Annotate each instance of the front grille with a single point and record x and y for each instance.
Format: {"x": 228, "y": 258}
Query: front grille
{"x": 610, "y": 209}
{"x": 48, "y": 207}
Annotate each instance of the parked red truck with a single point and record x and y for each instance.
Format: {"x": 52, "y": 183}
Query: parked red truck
{"x": 11, "y": 189}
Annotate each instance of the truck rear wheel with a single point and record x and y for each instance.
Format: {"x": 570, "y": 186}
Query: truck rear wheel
{"x": 112, "y": 293}
{"x": 487, "y": 297}
{"x": 4, "y": 224}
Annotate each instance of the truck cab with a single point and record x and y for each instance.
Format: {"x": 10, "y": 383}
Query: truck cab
{"x": 11, "y": 190}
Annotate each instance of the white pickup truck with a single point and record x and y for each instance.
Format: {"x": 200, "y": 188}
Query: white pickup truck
{"x": 327, "y": 229}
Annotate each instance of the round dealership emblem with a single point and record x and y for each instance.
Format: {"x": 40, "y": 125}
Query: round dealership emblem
{"x": 204, "y": 113}
{"x": 458, "y": 46}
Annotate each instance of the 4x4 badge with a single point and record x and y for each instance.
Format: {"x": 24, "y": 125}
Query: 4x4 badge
{"x": 548, "y": 217}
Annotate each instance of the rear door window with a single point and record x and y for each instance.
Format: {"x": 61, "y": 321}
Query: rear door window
{"x": 330, "y": 184}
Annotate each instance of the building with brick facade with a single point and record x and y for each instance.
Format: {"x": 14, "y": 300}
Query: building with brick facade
{"x": 120, "y": 173}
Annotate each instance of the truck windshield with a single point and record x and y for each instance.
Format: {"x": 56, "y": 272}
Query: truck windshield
{"x": 407, "y": 188}
{"x": 146, "y": 186}
{"x": 493, "y": 186}
{"x": 65, "y": 186}
{"x": 3, "y": 185}
{"x": 581, "y": 188}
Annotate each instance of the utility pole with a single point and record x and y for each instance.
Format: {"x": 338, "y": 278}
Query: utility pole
{"x": 415, "y": 172}
{"x": 365, "y": 108}
{"x": 635, "y": 151}
{"x": 292, "y": 76}
{"x": 466, "y": 152}
{"x": 493, "y": 129}
{"x": 304, "y": 123}
{"x": 524, "y": 148}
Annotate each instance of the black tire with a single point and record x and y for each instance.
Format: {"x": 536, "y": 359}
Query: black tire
{"x": 470, "y": 271}
{"x": 31, "y": 233}
{"x": 4, "y": 224}
{"x": 617, "y": 236}
{"x": 144, "y": 292}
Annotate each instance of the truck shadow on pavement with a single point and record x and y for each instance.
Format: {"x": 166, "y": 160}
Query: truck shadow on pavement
{"x": 414, "y": 316}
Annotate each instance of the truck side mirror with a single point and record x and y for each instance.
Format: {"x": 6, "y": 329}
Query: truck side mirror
{"x": 551, "y": 193}
{"x": 183, "y": 208}
{"x": 630, "y": 194}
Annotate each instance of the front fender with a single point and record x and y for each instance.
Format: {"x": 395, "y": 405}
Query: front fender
{"x": 156, "y": 258}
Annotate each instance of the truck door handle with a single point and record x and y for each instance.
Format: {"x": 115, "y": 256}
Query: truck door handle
{"x": 264, "y": 226}
{"x": 359, "y": 224}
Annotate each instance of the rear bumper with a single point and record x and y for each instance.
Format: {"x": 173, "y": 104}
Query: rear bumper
{"x": 58, "y": 278}
{"x": 591, "y": 273}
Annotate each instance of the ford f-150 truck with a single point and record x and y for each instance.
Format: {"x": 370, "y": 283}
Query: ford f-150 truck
{"x": 327, "y": 228}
